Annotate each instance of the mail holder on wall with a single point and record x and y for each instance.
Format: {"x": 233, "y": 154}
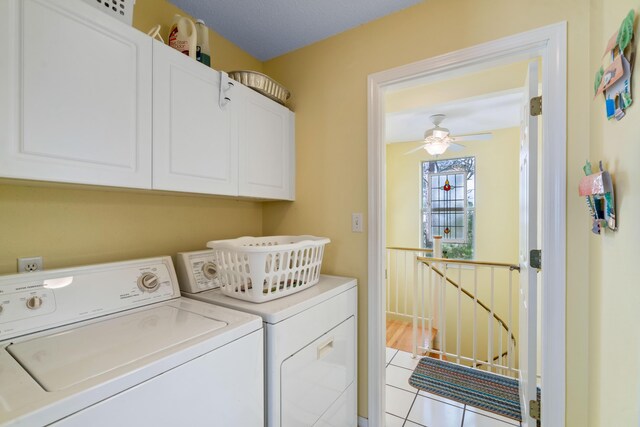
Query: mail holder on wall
{"x": 597, "y": 188}
{"x": 614, "y": 82}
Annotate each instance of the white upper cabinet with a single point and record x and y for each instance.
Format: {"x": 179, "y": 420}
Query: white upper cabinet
{"x": 266, "y": 146}
{"x": 195, "y": 146}
{"x": 87, "y": 99}
{"x": 76, "y": 103}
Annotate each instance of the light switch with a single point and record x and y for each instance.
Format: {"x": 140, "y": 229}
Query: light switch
{"x": 356, "y": 222}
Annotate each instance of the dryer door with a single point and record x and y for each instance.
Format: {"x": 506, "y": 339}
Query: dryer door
{"x": 315, "y": 377}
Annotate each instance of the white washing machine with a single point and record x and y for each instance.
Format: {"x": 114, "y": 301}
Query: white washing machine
{"x": 310, "y": 345}
{"x": 115, "y": 344}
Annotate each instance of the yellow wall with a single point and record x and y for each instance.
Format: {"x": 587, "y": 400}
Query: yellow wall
{"x": 328, "y": 81}
{"x": 614, "y": 351}
{"x": 469, "y": 85}
{"x": 73, "y": 225}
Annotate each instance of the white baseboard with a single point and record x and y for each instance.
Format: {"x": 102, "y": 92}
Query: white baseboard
{"x": 363, "y": 422}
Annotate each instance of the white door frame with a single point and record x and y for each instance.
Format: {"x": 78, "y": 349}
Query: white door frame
{"x": 549, "y": 43}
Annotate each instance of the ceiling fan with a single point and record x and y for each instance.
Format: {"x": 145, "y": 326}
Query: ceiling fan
{"x": 438, "y": 139}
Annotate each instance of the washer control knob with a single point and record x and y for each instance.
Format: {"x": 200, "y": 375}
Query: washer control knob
{"x": 209, "y": 270}
{"x": 148, "y": 282}
{"x": 34, "y": 302}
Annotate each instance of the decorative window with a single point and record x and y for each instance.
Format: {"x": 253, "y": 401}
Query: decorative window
{"x": 448, "y": 205}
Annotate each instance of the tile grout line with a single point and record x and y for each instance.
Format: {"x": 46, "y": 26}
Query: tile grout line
{"x": 401, "y": 367}
{"x": 403, "y": 389}
{"x": 392, "y": 357}
{"x": 464, "y": 413}
{"x": 406, "y": 418}
{"x": 492, "y": 416}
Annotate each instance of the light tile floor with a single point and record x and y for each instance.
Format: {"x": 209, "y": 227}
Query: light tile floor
{"x": 410, "y": 407}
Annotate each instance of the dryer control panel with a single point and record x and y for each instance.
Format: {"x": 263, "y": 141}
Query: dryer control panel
{"x": 198, "y": 271}
{"x": 35, "y": 301}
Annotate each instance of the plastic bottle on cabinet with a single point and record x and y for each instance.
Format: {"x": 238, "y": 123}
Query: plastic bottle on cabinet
{"x": 203, "y": 54}
{"x": 183, "y": 36}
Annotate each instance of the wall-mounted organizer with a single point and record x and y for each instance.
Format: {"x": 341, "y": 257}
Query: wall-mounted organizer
{"x": 597, "y": 188}
{"x": 614, "y": 82}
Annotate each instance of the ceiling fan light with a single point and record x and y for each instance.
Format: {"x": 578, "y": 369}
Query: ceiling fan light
{"x": 436, "y": 146}
{"x": 436, "y": 132}
{"x": 440, "y": 133}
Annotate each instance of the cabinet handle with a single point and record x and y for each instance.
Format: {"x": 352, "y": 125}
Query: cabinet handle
{"x": 225, "y": 86}
{"x": 325, "y": 348}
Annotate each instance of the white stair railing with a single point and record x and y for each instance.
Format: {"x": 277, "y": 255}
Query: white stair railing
{"x": 399, "y": 281}
{"x": 461, "y": 311}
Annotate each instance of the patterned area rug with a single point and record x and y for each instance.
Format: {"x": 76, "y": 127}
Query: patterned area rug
{"x": 484, "y": 390}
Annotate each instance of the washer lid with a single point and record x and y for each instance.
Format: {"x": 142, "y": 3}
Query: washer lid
{"x": 67, "y": 358}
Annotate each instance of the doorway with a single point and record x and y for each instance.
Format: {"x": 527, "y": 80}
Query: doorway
{"x": 466, "y": 195}
{"x": 549, "y": 44}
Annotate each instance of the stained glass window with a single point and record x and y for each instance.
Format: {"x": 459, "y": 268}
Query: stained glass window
{"x": 448, "y": 205}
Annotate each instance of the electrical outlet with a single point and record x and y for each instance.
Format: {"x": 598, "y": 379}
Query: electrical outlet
{"x": 30, "y": 264}
{"x": 356, "y": 223}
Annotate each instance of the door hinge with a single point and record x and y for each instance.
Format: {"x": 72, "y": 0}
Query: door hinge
{"x": 535, "y": 259}
{"x": 535, "y": 106}
{"x": 534, "y": 409}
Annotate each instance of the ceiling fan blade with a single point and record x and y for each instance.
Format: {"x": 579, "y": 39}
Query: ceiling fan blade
{"x": 421, "y": 147}
{"x": 473, "y": 137}
{"x": 456, "y": 147}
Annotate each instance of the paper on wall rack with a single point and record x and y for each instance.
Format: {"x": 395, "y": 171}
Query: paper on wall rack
{"x": 595, "y": 184}
{"x": 598, "y": 190}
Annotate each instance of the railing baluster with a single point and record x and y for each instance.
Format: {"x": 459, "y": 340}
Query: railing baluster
{"x": 397, "y": 281}
{"x": 459, "y": 323}
{"x": 406, "y": 282}
{"x": 437, "y": 252}
{"x": 500, "y": 347}
{"x": 422, "y": 302}
{"x": 431, "y": 303}
{"x": 388, "y": 279}
{"x": 443, "y": 311}
{"x": 491, "y": 320}
{"x": 509, "y": 355}
{"x": 415, "y": 308}
{"x": 475, "y": 315}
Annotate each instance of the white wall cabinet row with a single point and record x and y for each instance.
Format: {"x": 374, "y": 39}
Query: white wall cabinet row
{"x": 86, "y": 99}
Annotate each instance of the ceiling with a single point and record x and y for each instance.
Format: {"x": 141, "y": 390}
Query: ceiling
{"x": 267, "y": 29}
{"x": 498, "y": 110}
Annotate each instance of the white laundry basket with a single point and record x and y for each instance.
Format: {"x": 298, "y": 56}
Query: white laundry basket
{"x": 260, "y": 269}
{"x": 122, "y": 10}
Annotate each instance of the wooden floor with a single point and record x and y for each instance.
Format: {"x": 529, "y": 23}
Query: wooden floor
{"x": 400, "y": 335}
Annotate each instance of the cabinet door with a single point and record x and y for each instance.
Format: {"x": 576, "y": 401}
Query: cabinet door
{"x": 267, "y": 156}
{"x": 194, "y": 139}
{"x": 79, "y": 95}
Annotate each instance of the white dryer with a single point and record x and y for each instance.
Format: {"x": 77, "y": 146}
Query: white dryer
{"x": 310, "y": 345}
{"x": 115, "y": 344}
